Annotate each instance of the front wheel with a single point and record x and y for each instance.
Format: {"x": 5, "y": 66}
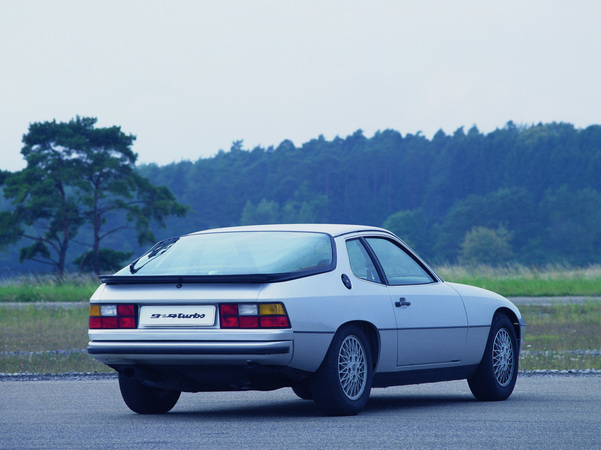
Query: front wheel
{"x": 495, "y": 378}
{"x": 146, "y": 400}
{"x": 342, "y": 384}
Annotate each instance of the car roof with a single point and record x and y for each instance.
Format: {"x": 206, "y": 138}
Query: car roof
{"x": 331, "y": 229}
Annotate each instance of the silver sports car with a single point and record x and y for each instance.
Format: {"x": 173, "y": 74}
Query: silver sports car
{"x": 328, "y": 310}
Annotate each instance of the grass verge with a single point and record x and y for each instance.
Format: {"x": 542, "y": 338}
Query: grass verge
{"x": 562, "y": 337}
{"x": 522, "y": 281}
{"x": 47, "y": 288}
{"x": 45, "y": 340}
{"x": 510, "y": 281}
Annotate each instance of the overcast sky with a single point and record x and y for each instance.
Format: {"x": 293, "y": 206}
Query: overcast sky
{"x": 190, "y": 77}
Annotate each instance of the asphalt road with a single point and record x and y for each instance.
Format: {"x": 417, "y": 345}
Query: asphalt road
{"x": 543, "y": 412}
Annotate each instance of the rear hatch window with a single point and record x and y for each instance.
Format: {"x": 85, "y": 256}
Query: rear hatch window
{"x": 273, "y": 254}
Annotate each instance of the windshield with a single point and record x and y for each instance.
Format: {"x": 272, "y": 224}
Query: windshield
{"x": 235, "y": 253}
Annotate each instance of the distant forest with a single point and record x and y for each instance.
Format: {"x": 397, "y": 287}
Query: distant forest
{"x": 525, "y": 194}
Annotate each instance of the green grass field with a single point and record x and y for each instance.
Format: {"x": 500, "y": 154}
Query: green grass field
{"x": 518, "y": 281}
{"x": 510, "y": 281}
{"x": 52, "y": 339}
{"x": 562, "y": 337}
{"x": 45, "y": 339}
{"x": 46, "y": 288}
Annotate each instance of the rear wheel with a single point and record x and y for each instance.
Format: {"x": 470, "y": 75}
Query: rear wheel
{"x": 302, "y": 390}
{"x": 146, "y": 400}
{"x": 497, "y": 374}
{"x": 342, "y": 384}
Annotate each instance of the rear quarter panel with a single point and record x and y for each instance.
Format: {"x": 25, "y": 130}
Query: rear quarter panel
{"x": 316, "y": 306}
{"x": 319, "y": 305}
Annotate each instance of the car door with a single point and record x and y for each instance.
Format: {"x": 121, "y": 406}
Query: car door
{"x": 430, "y": 316}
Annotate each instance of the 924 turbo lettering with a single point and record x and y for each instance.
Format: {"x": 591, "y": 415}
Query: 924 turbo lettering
{"x": 177, "y": 316}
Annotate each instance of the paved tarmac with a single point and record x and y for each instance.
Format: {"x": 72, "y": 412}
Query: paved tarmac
{"x": 559, "y": 411}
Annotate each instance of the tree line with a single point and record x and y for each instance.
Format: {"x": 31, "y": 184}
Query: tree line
{"x": 527, "y": 194}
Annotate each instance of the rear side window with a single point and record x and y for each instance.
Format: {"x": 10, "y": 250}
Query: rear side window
{"x": 361, "y": 263}
{"x": 399, "y": 267}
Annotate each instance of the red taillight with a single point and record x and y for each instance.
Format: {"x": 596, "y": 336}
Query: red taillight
{"x": 228, "y": 310}
{"x": 249, "y": 322}
{"x": 95, "y": 322}
{"x": 110, "y": 322}
{"x": 230, "y": 322}
{"x": 112, "y": 316}
{"x": 253, "y": 315}
{"x": 125, "y": 310}
{"x": 275, "y": 322}
{"x": 127, "y": 322}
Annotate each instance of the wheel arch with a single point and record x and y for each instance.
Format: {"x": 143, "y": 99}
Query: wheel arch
{"x": 373, "y": 337}
{"x": 514, "y": 321}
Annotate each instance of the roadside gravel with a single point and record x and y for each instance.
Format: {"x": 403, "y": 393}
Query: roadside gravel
{"x": 552, "y": 300}
{"x": 69, "y": 376}
{"x": 75, "y": 376}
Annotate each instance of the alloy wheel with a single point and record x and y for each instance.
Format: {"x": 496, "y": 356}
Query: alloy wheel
{"x": 502, "y": 353}
{"x": 352, "y": 367}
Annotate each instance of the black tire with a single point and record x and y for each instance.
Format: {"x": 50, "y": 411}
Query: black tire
{"x": 495, "y": 378}
{"x": 342, "y": 384}
{"x": 146, "y": 400}
{"x": 302, "y": 390}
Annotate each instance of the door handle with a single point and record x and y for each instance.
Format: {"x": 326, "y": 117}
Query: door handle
{"x": 402, "y": 302}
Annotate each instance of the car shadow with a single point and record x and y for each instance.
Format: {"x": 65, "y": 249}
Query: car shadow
{"x": 297, "y": 408}
{"x": 406, "y": 402}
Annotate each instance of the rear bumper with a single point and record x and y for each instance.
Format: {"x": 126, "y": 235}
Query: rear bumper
{"x": 197, "y": 353}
